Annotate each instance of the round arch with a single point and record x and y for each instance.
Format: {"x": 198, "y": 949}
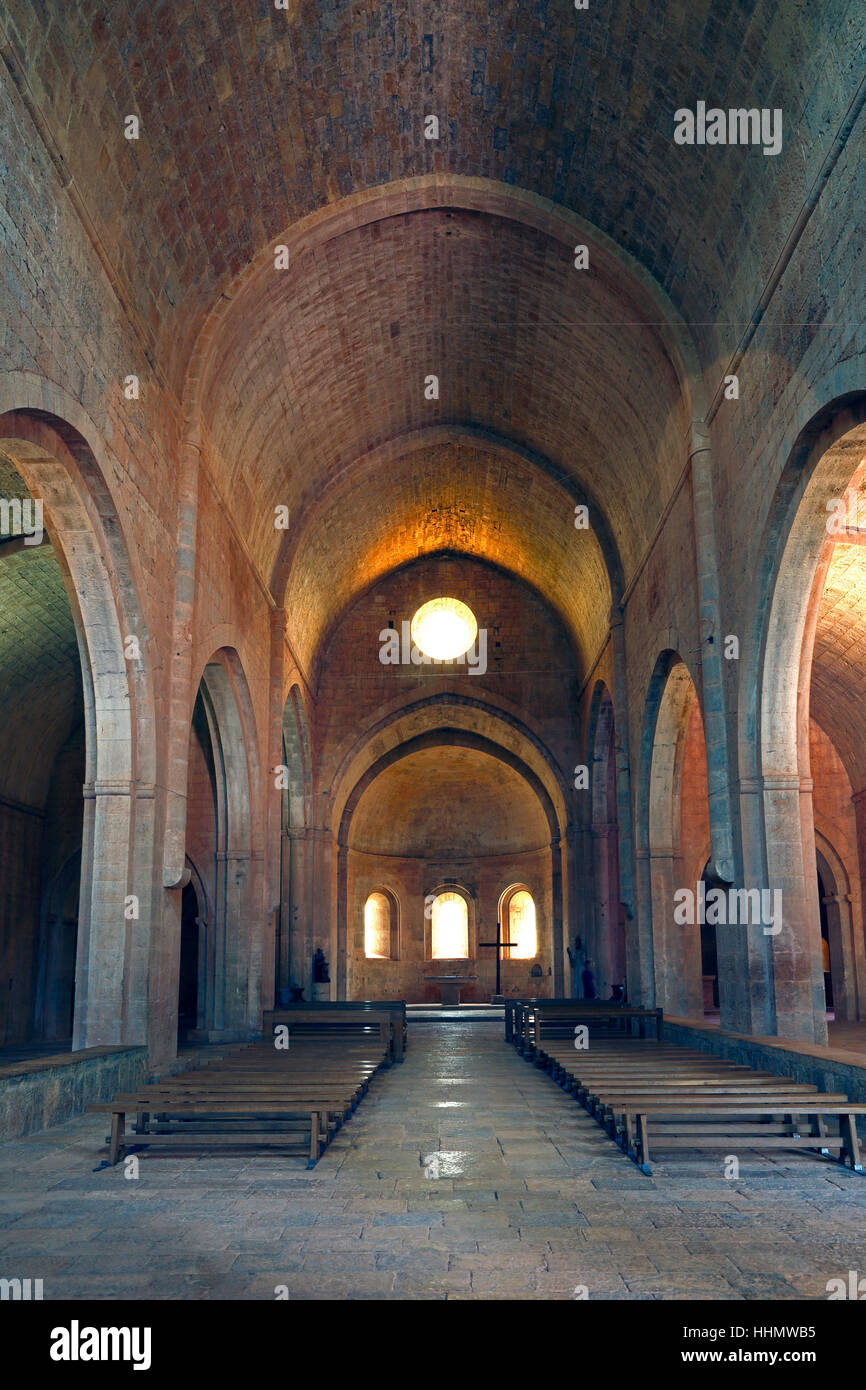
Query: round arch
{"x": 231, "y": 946}
{"x": 827, "y": 458}
{"x": 65, "y": 466}
{"x": 846, "y": 953}
{"x": 441, "y": 737}
{"x": 670, "y": 749}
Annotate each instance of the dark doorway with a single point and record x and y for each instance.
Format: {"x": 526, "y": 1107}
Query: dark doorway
{"x": 825, "y": 943}
{"x": 187, "y": 999}
{"x": 709, "y": 958}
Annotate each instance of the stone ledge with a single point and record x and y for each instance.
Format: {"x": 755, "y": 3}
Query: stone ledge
{"x": 49, "y": 1060}
{"x": 48, "y": 1090}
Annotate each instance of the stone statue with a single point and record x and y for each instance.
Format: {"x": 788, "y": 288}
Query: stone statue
{"x": 320, "y": 968}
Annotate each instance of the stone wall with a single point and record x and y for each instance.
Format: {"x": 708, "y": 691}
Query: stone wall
{"x": 34, "y": 1095}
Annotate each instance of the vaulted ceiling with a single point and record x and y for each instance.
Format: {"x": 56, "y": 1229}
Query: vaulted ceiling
{"x": 431, "y": 805}
{"x": 555, "y": 385}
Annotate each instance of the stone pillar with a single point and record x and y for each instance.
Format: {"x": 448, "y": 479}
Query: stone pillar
{"x": 842, "y": 964}
{"x": 640, "y": 951}
{"x": 296, "y": 905}
{"x": 797, "y": 965}
{"x": 599, "y": 946}
{"x": 712, "y": 680}
{"x": 275, "y": 937}
{"x": 104, "y": 931}
{"x": 859, "y": 934}
{"x": 319, "y": 922}
{"x": 580, "y": 898}
{"x": 677, "y": 949}
{"x": 557, "y": 923}
{"x": 174, "y": 861}
{"x": 633, "y": 880}
{"x": 341, "y": 975}
{"x": 236, "y": 928}
{"x": 746, "y": 954}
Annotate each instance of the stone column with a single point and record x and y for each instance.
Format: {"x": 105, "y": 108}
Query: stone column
{"x": 174, "y": 860}
{"x": 341, "y": 974}
{"x": 103, "y": 950}
{"x": 746, "y": 954}
{"x": 797, "y": 973}
{"x": 556, "y": 900}
{"x": 842, "y": 964}
{"x": 600, "y": 944}
{"x": 677, "y": 949}
{"x": 640, "y": 951}
{"x": 633, "y": 878}
{"x": 859, "y": 926}
{"x": 579, "y": 896}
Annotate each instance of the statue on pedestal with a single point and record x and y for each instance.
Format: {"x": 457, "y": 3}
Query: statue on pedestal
{"x": 320, "y": 968}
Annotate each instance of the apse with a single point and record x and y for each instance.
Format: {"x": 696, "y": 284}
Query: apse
{"x": 443, "y": 844}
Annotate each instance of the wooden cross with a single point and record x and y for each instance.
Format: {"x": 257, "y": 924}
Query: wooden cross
{"x": 499, "y": 946}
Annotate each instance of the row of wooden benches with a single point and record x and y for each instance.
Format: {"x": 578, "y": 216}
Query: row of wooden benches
{"x": 386, "y": 1016}
{"x": 292, "y": 1090}
{"x": 689, "y": 1099}
{"x": 528, "y": 1020}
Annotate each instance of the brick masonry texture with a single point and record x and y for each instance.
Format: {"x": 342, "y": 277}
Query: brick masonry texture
{"x": 305, "y": 389}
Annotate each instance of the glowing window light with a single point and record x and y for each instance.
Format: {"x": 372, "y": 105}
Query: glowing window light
{"x": 377, "y": 927}
{"x": 444, "y": 628}
{"x": 521, "y": 926}
{"x": 450, "y": 927}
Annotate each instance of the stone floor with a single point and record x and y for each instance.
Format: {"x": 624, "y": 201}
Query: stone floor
{"x": 464, "y": 1174}
{"x": 847, "y": 1037}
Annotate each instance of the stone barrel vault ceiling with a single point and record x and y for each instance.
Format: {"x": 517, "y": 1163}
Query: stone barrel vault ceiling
{"x": 555, "y": 385}
{"x": 254, "y": 117}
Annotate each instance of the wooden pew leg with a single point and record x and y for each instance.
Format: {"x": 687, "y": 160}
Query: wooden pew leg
{"x": 819, "y": 1130}
{"x": 851, "y": 1150}
{"x": 314, "y": 1137}
{"x": 644, "y": 1163}
{"x": 628, "y": 1135}
{"x": 118, "y": 1127}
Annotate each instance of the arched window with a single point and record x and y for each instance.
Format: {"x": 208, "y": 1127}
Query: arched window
{"x": 380, "y": 927}
{"x": 450, "y": 927}
{"x": 519, "y": 925}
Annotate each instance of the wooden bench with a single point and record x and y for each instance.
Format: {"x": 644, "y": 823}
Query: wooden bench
{"x": 696, "y": 1100}
{"x": 345, "y": 1017}
{"x": 255, "y": 1095}
{"x": 533, "y": 1023}
{"x": 514, "y": 1006}
{"x": 697, "y": 1125}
